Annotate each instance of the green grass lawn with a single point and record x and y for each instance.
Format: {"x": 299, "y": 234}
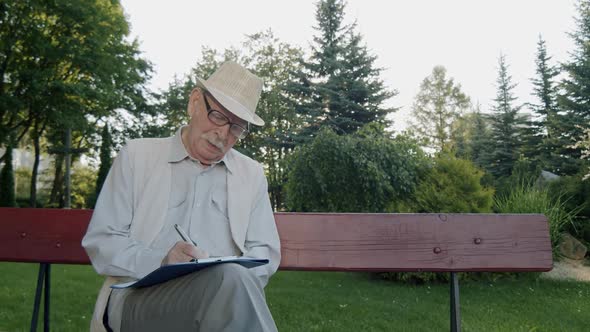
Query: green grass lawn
{"x": 322, "y": 301}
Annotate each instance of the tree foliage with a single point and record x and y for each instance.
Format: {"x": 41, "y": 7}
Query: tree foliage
{"x": 83, "y": 189}
{"x": 364, "y": 172}
{"x": 273, "y": 61}
{"x": 471, "y": 138}
{"x": 584, "y": 145}
{"x": 547, "y": 126}
{"x": 437, "y": 105}
{"x": 339, "y": 85}
{"x": 65, "y": 64}
{"x": 575, "y": 100}
{"x": 506, "y": 125}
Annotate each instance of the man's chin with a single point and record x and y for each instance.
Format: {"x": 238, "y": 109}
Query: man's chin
{"x": 215, "y": 157}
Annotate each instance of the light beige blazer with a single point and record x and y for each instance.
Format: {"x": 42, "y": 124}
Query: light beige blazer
{"x": 250, "y": 214}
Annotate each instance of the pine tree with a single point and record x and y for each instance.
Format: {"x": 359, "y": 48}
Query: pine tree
{"x": 105, "y": 158}
{"x": 339, "y": 85}
{"x": 470, "y": 137}
{"x": 7, "y": 193}
{"x": 438, "y": 104}
{"x": 481, "y": 141}
{"x": 575, "y": 101}
{"x": 546, "y": 144}
{"x": 356, "y": 92}
{"x": 506, "y": 124}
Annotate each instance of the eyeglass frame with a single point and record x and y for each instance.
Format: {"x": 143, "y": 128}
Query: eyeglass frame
{"x": 244, "y": 131}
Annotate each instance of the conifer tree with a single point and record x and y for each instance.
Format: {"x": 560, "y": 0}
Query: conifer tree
{"x": 575, "y": 100}
{"x": 339, "y": 85}
{"x": 506, "y": 124}
{"x": 481, "y": 141}
{"x": 546, "y": 134}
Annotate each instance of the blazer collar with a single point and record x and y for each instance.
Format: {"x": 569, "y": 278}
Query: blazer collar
{"x": 178, "y": 152}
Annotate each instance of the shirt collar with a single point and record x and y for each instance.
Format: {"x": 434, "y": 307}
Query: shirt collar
{"x": 178, "y": 152}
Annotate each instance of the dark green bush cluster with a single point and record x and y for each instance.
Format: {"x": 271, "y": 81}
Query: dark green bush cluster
{"x": 363, "y": 172}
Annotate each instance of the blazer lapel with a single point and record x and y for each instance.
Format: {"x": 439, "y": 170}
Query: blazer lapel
{"x": 237, "y": 209}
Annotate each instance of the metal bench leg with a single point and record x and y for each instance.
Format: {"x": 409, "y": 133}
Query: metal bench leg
{"x": 43, "y": 277}
{"x": 455, "y": 306}
{"x": 47, "y": 298}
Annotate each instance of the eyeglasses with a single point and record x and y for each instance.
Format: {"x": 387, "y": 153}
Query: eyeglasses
{"x": 221, "y": 119}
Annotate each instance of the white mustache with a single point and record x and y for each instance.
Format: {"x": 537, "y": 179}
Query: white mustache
{"x": 217, "y": 142}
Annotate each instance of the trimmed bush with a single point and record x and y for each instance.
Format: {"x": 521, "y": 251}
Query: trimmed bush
{"x": 452, "y": 186}
{"x": 363, "y": 172}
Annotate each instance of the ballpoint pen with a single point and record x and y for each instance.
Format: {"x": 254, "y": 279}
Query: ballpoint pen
{"x": 183, "y": 235}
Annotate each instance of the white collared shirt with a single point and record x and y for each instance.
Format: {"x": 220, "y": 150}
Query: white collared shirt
{"x": 197, "y": 203}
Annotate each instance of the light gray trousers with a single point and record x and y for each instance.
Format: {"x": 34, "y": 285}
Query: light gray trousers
{"x": 225, "y": 297}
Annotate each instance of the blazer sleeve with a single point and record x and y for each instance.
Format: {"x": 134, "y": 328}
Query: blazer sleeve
{"x": 262, "y": 238}
{"x": 107, "y": 241}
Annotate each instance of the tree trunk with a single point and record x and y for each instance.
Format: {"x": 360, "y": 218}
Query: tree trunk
{"x": 55, "y": 199}
{"x": 37, "y": 133}
{"x": 36, "y": 144}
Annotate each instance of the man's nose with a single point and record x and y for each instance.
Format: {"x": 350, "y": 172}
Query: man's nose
{"x": 223, "y": 132}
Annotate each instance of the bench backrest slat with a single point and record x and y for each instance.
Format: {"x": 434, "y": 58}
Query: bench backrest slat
{"x": 415, "y": 242}
{"x": 333, "y": 241}
{"x": 43, "y": 235}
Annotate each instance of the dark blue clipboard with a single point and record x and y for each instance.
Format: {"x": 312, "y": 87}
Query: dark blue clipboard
{"x": 168, "y": 272}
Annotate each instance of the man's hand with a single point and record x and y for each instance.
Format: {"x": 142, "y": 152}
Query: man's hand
{"x": 183, "y": 252}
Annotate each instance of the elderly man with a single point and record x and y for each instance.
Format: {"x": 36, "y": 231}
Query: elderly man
{"x": 219, "y": 196}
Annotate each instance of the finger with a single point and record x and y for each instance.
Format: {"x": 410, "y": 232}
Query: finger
{"x": 180, "y": 258}
{"x": 202, "y": 253}
{"x": 196, "y": 252}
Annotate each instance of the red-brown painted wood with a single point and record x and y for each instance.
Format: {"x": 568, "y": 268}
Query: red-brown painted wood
{"x": 43, "y": 235}
{"x": 334, "y": 241}
{"x": 414, "y": 242}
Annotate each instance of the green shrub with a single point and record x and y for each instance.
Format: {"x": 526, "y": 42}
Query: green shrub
{"x": 363, "y": 172}
{"x": 419, "y": 278}
{"x": 452, "y": 186}
{"x": 578, "y": 192}
{"x": 524, "y": 171}
{"x": 530, "y": 199}
{"x": 576, "y": 189}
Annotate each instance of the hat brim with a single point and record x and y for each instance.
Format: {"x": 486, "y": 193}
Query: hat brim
{"x": 231, "y": 104}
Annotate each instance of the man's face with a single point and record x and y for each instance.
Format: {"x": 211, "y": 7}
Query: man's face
{"x": 203, "y": 139}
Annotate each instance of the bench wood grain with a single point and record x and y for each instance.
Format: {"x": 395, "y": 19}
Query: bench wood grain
{"x": 331, "y": 241}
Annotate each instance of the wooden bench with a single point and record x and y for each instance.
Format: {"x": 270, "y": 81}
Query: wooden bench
{"x": 321, "y": 242}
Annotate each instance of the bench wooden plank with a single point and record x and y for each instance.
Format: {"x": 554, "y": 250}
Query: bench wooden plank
{"x": 334, "y": 241}
{"x": 43, "y": 235}
{"x": 414, "y": 242}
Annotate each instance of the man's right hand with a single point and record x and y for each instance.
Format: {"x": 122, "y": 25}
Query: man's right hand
{"x": 183, "y": 252}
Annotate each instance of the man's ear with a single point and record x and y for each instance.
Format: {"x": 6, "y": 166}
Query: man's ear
{"x": 193, "y": 99}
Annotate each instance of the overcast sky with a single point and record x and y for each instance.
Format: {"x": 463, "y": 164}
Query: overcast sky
{"x": 408, "y": 37}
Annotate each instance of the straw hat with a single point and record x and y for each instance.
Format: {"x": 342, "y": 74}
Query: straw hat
{"x": 237, "y": 89}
